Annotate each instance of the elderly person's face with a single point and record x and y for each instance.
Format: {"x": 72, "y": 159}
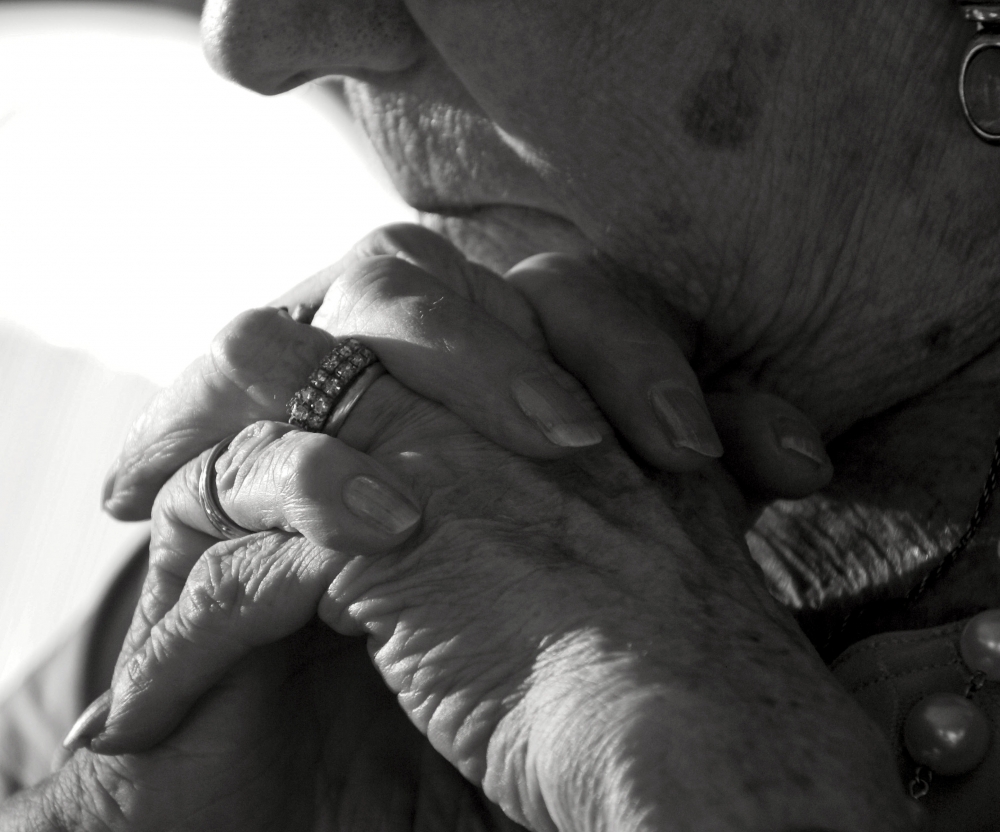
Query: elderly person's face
{"x": 591, "y": 111}
{"x": 775, "y": 173}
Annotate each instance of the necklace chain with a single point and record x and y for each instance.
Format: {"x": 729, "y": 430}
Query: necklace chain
{"x": 852, "y": 621}
{"x": 978, "y": 516}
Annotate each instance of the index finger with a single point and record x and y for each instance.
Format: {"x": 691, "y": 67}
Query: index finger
{"x": 439, "y": 343}
{"x": 636, "y": 371}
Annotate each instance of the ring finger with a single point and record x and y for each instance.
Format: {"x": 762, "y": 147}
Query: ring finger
{"x": 272, "y": 476}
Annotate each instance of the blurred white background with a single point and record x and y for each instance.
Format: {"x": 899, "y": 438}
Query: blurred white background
{"x": 143, "y": 203}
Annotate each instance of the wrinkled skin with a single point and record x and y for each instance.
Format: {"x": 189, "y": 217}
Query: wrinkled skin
{"x": 599, "y": 710}
{"x": 795, "y": 181}
{"x": 787, "y": 182}
{"x": 588, "y": 643}
{"x": 280, "y": 744}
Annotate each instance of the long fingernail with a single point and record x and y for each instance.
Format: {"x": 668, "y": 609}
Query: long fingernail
{"x": 377, "y": 502}
{"x": 684, "y": 419}
{"x": 554, "y": 411}
{"x": 90, "y": 724}
{"x": 800, "y": 439}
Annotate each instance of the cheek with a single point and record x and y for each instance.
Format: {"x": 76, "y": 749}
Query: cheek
{"x": 721, "y": 109}
{"x": 522, "y": 59}
{"x": 584, "y": 91}
{"x": 635, "y": 115}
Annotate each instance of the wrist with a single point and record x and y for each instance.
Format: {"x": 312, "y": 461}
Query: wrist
{"x": 566, "y": 757}
{"x": 615, "y": 733}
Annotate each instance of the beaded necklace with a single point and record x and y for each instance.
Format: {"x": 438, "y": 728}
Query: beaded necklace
{"x": 947, "y": 733}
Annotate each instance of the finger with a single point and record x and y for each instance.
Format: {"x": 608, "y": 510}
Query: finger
{"x": 259, "y": 360}
{"x": 241, "y": 594}
{"x": 173, "y": 552}
{"x": 451, "y": 351}
{"x": 435, "y": 255}
{"x": 251, "y": 371}
{"x": 272, "y": 476}
{"x": 635, "y": 371}
{"x": 771, "y": 447}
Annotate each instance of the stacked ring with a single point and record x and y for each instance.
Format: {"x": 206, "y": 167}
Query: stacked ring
{"x": 334, "y": 387}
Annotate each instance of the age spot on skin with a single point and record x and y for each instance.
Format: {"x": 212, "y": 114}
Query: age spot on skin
{"x": 721, "y": 109}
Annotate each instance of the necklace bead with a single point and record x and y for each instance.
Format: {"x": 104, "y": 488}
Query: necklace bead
{"x": 980, "y": 644}
{"x": 947, "y": 733}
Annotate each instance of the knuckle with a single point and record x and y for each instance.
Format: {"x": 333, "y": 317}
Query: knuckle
{"x": 260, "y": 467}
{"x": 181, "y": 487}
{"x": 390, "y": 297}
{"x": 214, "y": 590}
{"x": 429, "y": 313}
{"x": 247, "y": 450}
{"x": 139, "y": 670}
{"x": 243, "y": 338}
{"x": 305, "y": 474}
{"x": 430, "y": 251}
{"x": 97, "y": 792}
{"x": 375, "y": 280}
{"x": 261, "y": 347}
{"x": 398, "y": 237}
{"x": 158, "y": 595}
{"x": 166, "y": 548}
{"x": 162, "y": 516}
{"x": 157, "y": 454}
{"x": 443, "y": 323}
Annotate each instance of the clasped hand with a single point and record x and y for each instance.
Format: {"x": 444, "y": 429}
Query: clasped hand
{"x": 582, "y": 639}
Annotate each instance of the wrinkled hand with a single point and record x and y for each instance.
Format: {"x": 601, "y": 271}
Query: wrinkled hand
{"x": 455, "y": 333}
{"x": 280, "y": 744}
{"x": 591, "y": 647}
{"x": 228, "y": 767}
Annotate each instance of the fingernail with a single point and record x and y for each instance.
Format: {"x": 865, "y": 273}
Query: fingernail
{"x": 375, "y": 501}
{"x": 554, "y": 410}
{"x": 90, "y": 724}
{"x": 283, "y": 311}
{"x": 109, "y": 485}
{"x": 800, "y": 439}
{"x": 684, "y": 419}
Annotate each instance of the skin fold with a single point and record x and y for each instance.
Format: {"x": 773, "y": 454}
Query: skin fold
{"x": 551, "y": 625}
{"x": 796, "y": 188}
{"x": 643, "y": 661}
{"x": 791, "y": 188}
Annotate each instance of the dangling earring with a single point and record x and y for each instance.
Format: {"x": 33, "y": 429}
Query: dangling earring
{"x": 979, "y": 79}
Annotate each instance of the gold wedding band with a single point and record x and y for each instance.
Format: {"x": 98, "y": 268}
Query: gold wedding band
{"x": 351, "y": 396}
{"x": 208, "y": 494}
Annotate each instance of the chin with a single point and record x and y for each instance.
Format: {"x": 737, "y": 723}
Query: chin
{"x": 500, "y": 236}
